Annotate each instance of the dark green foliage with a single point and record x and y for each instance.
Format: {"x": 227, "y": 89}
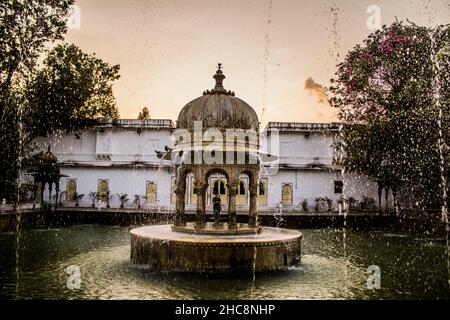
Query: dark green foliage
{"x": 385, "y": 91}
{"x": 72, "y": 88}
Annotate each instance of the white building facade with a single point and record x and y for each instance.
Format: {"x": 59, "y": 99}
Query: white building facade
{"x": 115, "y": 162}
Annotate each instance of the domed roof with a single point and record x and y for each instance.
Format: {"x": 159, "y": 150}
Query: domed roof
{"x": 218, "y": 108}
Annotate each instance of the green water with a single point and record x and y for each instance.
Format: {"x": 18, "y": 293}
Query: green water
{"x": 332, "y": 267}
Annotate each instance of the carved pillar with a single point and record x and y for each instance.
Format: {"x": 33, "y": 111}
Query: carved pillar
{"x": 380, "y": 190}
{"x": 232, "y": 191}
{"x": 180, "y": 193}
{"x": 50, "y": 187}
{"x": 42, "y": 191}
{"x": 200, "y": 190}
{"x": 34, "y": 193}
{"x": 394, "y": 194}
{"x": 386, "y": 197}
{"x": 253, "y": 212}
{"x": 57, "y": 193}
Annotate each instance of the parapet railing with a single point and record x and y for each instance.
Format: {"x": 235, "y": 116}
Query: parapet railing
{"x": 110, "y": 157}
{"x": 298, "y": 126}
{"x": 160, "y": 123}
{"x": 151, "y": 157}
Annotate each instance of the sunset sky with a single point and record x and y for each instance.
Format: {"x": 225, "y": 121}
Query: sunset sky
{"x": 168, "y": 50}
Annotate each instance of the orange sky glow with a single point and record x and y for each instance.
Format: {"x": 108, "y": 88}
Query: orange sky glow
{"x": 275, "y": 54}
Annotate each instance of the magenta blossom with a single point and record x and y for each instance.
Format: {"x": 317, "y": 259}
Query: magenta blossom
{"x": 393, "y": 40}
{"x": 367, "y": 56}
{"x": 387, "y": 47}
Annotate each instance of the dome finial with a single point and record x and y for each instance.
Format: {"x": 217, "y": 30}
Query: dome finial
{"x": 219, "y": 76}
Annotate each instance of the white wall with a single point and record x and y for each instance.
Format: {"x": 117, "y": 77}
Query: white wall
{"x": 312, "y": 184}
{"x": 300, "y": 147}
{"x": 83, "y": 158}
{"x": 121, "y": 144}
{"x": 121, "y": 180}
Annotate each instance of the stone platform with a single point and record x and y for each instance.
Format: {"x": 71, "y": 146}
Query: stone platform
{"x": 162, "y": 249}
{"x": 211, "y": 228}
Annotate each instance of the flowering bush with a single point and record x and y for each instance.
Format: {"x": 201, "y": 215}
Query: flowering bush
{"x": 392, "y": 96}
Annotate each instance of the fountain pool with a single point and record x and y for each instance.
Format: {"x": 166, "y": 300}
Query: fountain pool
{"x": 410, "y": 268}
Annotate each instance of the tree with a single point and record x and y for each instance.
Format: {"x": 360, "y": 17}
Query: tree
{"x": 71, "y": 89}
{"x": 144, "y": 114}
{"x": 25, "y": 28}
{"x": 385, "y": 91}
{"x": 10, "y": 143}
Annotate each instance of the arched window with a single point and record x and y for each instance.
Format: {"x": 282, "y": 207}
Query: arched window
{"x": 286, "y": 194}
{"x": 242, "y": 198}
{"x": 262, "y": 188}
{"x": 71, "y": 189}
{"x": 191, "y": 183}
{"x": 262, "y": 192}
{"x": 102, "y": 191}
{"x": 242, "y": 188}
{"x": 219, "y": 187}
{"x": 151, "y": 192}
{"x": 38, "y": 191}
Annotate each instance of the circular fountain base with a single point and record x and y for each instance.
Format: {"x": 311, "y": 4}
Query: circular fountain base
{"x": 218, "y": 229}
{"x": 163, "y": 249}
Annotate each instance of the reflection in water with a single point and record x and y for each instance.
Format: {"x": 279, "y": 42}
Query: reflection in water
{"x": 410, "y": 267}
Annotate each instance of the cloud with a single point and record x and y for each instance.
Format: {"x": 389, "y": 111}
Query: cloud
{"x": 317, "y": 90}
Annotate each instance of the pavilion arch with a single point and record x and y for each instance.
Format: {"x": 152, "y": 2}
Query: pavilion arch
{"x": 191, "y": 197}
{"x": 262, "y": 191}
{"x": 217, "y": 109}
{"x": 180, "y": 194}
{"x": 253, "y": 176}
{"x": 230, "y": 185}
{"x": 220, "y": 183}
{"x": 245, "y": 180}
{"x": 215, "y": 170}
{"x": 253, "y": 179}
{"x": 242, "y": 195}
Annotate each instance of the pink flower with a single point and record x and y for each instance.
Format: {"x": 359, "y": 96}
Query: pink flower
{"x": 351, "y": 86}
{"x": 404, "y": 40}
{"x": 391, "y": 34}
{"x": 387, "y": 47}
{"x": 367, "y": 56}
